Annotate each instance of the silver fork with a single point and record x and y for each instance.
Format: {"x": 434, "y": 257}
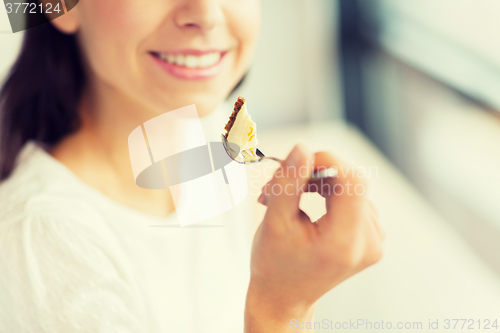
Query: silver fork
{"x": 245, "y": 157}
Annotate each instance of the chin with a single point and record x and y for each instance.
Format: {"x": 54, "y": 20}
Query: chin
{"x": 203, "y": 107}
{"x": 205, "y": 103}
{"x": 204, "y": 111}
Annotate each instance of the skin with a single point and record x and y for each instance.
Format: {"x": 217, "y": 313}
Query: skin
{"x": 294, "y": 262}
{"x": 126, "y": 87}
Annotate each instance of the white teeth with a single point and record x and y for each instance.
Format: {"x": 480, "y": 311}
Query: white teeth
{"x": 216, "y": 57}
{"x": 191, "y": 61}
{"x": 171, "y": 58}
{"x": 204, "y": 61}
{"x": 179, "y": 60}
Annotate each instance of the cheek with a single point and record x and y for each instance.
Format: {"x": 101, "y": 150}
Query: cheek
{"x": 111, "y": 34}
{"x": 244, "y": 23}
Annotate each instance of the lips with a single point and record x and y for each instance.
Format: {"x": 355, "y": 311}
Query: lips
{"x": 190, "y": 64}
{"x": 206, "y": 60}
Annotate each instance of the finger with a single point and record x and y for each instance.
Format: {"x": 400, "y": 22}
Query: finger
{"x": 304, "y": 217}
{"x": 262, "y": 199}
{"x": 284, "y": 190}
{"x": 344, "y": 194}
{"x": 374, "y": 213}
{"x": 374, "y": 209}
{"x": 321, "y": 186}
{"x": 374, "y": 249}
{"x": 379, "y": 228}
{"x": 263, "y": 195}
{"x": 331, "y": 185}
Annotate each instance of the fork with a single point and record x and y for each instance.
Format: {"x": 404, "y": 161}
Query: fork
{"x": 245, "y": 157}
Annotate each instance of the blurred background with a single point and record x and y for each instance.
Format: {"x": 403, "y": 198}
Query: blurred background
{"x": 412, "y": 87}
{"x": 420, "y": 79}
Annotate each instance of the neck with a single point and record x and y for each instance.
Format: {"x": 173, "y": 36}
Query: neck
{"x": 98, "y": 152}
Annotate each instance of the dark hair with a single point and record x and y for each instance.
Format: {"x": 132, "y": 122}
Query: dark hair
{"x": 40, "y": 96}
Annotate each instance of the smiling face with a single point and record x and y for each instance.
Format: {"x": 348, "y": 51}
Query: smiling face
{"x": 166, "y": 54}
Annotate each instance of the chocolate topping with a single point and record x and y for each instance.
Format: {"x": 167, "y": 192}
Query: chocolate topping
{"x": 237, "y": 107}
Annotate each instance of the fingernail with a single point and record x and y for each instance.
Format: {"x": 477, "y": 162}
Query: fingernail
{"x": 295, "y": 155}
{"x": 262, "y": 199}
{"x": 263, "y": 195}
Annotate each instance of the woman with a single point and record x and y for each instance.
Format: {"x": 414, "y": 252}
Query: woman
{"x": 76, "y": 253}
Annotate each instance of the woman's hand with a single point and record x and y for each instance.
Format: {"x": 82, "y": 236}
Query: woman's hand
{"x": 294, "y": 262}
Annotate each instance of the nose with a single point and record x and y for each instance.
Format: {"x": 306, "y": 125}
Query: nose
{"x": 202, "y": 15}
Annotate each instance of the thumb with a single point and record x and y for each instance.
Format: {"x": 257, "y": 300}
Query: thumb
{"x": 290, "y": 179}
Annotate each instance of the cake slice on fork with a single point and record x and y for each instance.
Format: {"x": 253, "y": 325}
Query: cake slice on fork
{"x": 240, "y": 129}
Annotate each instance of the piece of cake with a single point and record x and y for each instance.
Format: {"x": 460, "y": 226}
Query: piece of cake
{"x": 241, "y": 130}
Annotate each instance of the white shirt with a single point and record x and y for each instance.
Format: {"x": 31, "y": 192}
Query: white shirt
{"x": 74, "y": 260}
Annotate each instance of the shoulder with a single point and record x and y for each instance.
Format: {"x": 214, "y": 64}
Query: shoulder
{"x": 40, "y": 209}
{"x": 57, "y": 252}
{"x": 30, "y": 180}
{"x": 38, "y": 186}
{"x": 40, "y": 205}
{"x": 60, "y": 274}
{"x": 65, "y": 272}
